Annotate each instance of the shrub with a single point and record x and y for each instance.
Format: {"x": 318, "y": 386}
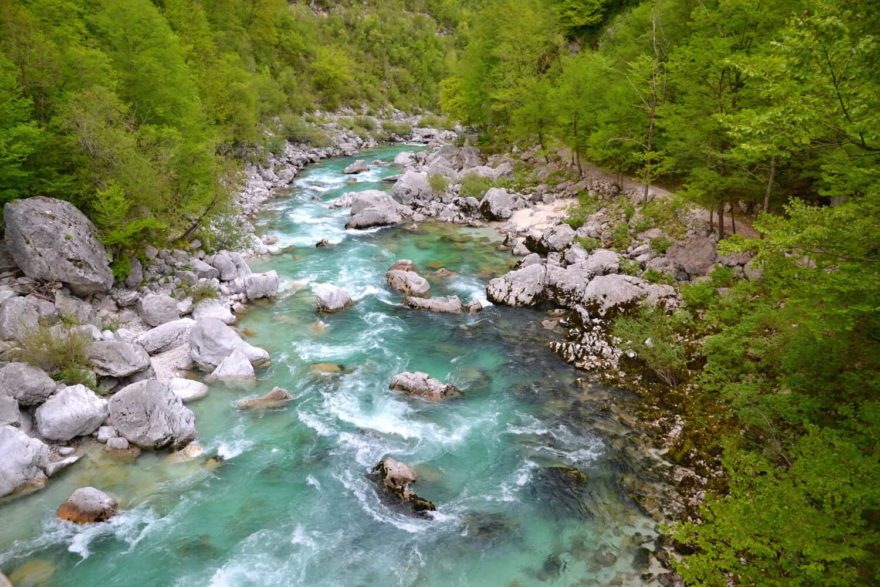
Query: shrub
{"x": 198, "y": 292}
{"x": 60, "y": 351}
{"x": 650, "y": 335}
{"x": 620, "y": 236}
{"x": 588, "y": 243}
{"x": 400, "y": 129}
{"x": 660, "y": 244}
{"x": 438, "y": 184}
{"x": 297, "y": 130}
{"x": 474, "y": 186}
{"x": 587, "y": 205}
{"x": 664, "y": 213}
{"x": 365, "y": 122}
{"x": 655, "y": 276}
{"x": 226, "y": 231}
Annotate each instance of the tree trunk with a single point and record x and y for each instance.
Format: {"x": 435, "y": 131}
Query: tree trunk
{"x": 770, "y": 178}
{"x": 732, "y": 217}
{"x": 720, "y": 219}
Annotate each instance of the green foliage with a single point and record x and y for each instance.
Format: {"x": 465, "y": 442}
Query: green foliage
{"x": 475, "y": 186}
{"x": 401, "y": 129}
{"x": 438, "y": 183}
{"x": 660, "y": 244}
{"x": 588, "y": 243}
{"x": 649, "y": 334}
{"x": 655, "y": 276}
{"x": 587, "y": 206}
{"x": 296, "y": 130}
{"x": 20, "y": 137}
{"x": 60, "y": 351}
{"x": 198, "y": 293}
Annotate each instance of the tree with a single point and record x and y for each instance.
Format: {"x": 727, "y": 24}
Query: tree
{"x": 20, "y": 137}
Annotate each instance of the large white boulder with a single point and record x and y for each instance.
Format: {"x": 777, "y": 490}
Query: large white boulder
{"x": 211, "y": 341}
{"x": 74, "y": 411}
{"x": 149, "y": 415}
{"x": 24, "y": 460}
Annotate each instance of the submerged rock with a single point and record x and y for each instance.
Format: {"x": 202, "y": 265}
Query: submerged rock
{"x": 395, "y": 479}
{"x": 448, "y": 304}
{"x": 331, "y": 298}
{"x": 74, "y": 411}
{"x": 421, "y": 385}
{"x": 149, "y": 415}
{"x": 277, "y": 398}
{"x": 88, "y": 505}
{"x": 24, "y": 461}
{"x": 52, "y": 240}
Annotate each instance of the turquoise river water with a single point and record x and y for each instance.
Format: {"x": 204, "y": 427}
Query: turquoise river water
{"x": 527, "y": 489}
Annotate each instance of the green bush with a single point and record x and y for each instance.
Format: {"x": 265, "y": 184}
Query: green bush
{"x": 474, "y": 186}
{"x": 438, "y": 183}
{"x": 620, "y": 236}
{"x": 365, "y": 122}
{"x": 199, "y": 292}
{"x": 649, "y": 334}
{"x": 400, "y": 129}
{"x": 588, "y": 243}
{"x": 586, "y": 206}
{"x": 660, "y": 244}
{"x": 655, "y": 276}
{"x": 60, "y": 351}
{"x": 297, "y": 130}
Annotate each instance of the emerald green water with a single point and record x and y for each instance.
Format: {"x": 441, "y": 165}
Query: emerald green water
{"x": 291, "y": 504}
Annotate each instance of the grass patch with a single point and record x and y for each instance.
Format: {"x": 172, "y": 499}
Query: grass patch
{"x": 61, "y": 352}
{"x": 296, "y": 130}
{"x": 438, "y": 183}
{"x": 650, "y": 335}
{"x": 475, "y": 186}
{"x": 586, "y": 207}
{"x": 401, "y": 129}
{"x": 660, "y": 244}
{"x": 589, "y": 244}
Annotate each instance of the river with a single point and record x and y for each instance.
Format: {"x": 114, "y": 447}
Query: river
{"x": 527, "y": 486}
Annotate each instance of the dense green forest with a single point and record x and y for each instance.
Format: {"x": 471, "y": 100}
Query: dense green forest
{"x": 140, "y": 112}
{"x": 770, "y": 105}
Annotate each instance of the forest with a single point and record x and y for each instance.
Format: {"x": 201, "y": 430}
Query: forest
{"x": 765, "y": 113}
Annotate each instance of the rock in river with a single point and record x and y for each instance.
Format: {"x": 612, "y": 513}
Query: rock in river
{"x": 403, "y": 278}
{"x": 395, "y": 479}
{"x": 234, "y": 369}
{"x": 88, "y": 505}
{"x": 51, "y": 240}
{"x": 149, "y": 415}
{"x": 331, "y": 298}
{"x": 359, "y": 166}
{"x": 74, "y": 411}
{"x": 212, "y": 341}
{"x": 277, "y": 398}
{"x": 448, "y": 304}
{"x": 421, "y": 385}
{"x": 24, "y": 461}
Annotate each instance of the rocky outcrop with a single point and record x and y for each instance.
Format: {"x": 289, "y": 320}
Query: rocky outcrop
{"x": 29, "y": 385}
{"x": 695, "y": 257}
{"x": 24, "y": 461}
{"x": 188, "y": 390}
{"x": 359, "y": 166}
{"x": 403, "y": 278}
{"x": 149, "y": 415}
{"x": 277, "y": 398}
{"x": 447, "y": 305}
{"x": 211, "y": 341}
{"x": 373, "y": 208}
{"x": 166, "y": 336}
{"x": 497, "y": 204}
{"x": 394, "y": 479}
{"x": 331, "y": 298}
{"x": 523, "y": 287}
{"x": 50, "y": 240}
{"x": 88, "y": 505}
{"x": 608, "y": 293}
{"x": 157, "y": 309}
{"x": 117, "y": 359}
{"x": 553, "y": 240}
{"x": 261, "y": 285}
{"x": 234, "y": 369}
{"x": 421, "y": 385}
{"x": 74, "y": 411}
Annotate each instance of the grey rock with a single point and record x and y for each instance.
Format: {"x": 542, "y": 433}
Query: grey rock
{"x": 373, "y": 208}
{"x": 213, "y": 309}
{"x": 609, "y": 293}
{"x": 261, "y": 285}
{"x": 74, "y": 411}
{"x": 421, "y": 385}
{"x": 166, "y": 336}
{"x": 523, "y": 287}
{"x": 105, "y": 433}
{"x": 88, "y": 505}
{"x": 118, "y": 443}
{"x": 554, "y": 239}
{"x": 187, "y": 390}
{"x": 359, "y": 166}
{"x": 203, "y": 270}
{"x": 18, "y": 318}
{"x": 404, "y": 159}
{"x": 158, "y": 309}
{"x": 331, "y": 298}
{"x": 235, "y": 368}
{"x": 412, "y": 186}
{"x": 497, "y": 204}
{"x": 125, "y": 298}
{"x": 224, "y": 264}
{"x": 24, "y": 461}
{"x": 277, "y": 398}
{"x": 9, "y": 412}
{"x": 602, "y": 262}
{"x": 74, "y": 308}
{"x": 149, "y": 415}
{"x": 51, "y": 240}
{"x": 211, "y": 341}
{"x": 135, "y": 274}
{"x": 695, "y": 257}
{"x": 403, "y": 278}
{"x": 447, "y": 305}
{"x": 27, "y": 384}
{"x": 117, "y": 359}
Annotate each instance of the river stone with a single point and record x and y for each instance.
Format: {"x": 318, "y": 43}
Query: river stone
{"x": 277, "y": 398}
{"x": 404, "y": 159}
{"x": 395, "y": 479}
{"x": 74, "y": 411}
{"x": 407, "y": 281}
{"x": 157, "y": 309}
{"x": 261, "y": 285}
{"x": 359, "y": 166}
{"x": 188, "y": 390}
{"x": 18, "y": 318}
{"x": 149, "y": 415}
{"x": 235, "y": 368}
{"x": 9, "y": 412}
{"x": 50, "y": 240}
{"x": 29, "y": 385}
{"x": 552, "y": 240}
{"x": 88, "y": 505}
{"x": 695, "y": 257}
{"x": 117, "y": 359}
{"x": 224, "y": 264}
{"x": 448, "y": 304}
{"x": 166, "y": 336}
{"x": 211, "y": 341}
{"x": 497, "y": 204}
{"x": 523, "y": 287}
{"x": 118, "y": 443}
{"x": 204, "y": 270}
{"x": 24, "y": 461}
{"x": 373, "y": 208}
{"x": 331, "y": 298}
{"x": 421, "y": 385}
{"x": 213, "y": 309}
{"x": 411, "y": 186}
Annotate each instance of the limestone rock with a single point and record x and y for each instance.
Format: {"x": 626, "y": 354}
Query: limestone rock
{"x": 394, "y": 478}
{"x": 18, "y": 318}
{"x": 24, "y": 461}
{"x": 448, "y": 304}
{"x": 552, "y": 240}
{"x": 403, "y": 278}
{"x": 373, "y": 208}
{"x": 74, "y": 411}
{"x": 166, "y": 336}
{"x": 523, "y": 287}
{"x": 88, "y": 505}
{"x": 411, "y": 186}
{"x": 331, "y": 298}
{"x": 9, "y": 412}
{"x": 235, "y": 368}
{"x": 29, "y": 385}
{"x": 212, "y": 341}
{"x": 51, "y": 240}
{"x": 277, "y": 398}
{"x": 149, "y": 415}
{"x": 695, "y": 257}
{"x": 497, "y": 204}
{"x": 359, "y": 166}
{"x": 213, "y": 309}
{"x": 117, "y": 359}
{"x": 188, "y": 390}
{"x": 224, "y": 264}
{"x": 261, "y": 285}
{"x": 157, "y": 309}
{"x": 421, "y": 385}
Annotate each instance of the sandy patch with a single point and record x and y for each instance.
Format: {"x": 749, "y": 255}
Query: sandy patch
{"x": 536, "y": 219}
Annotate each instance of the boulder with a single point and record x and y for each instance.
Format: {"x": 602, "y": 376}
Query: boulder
{"x": 331, "y": 298}
{"x": 204, "y": 270}
{"x": 18, "y": 318}
{"x": 277, "y": 398}
{"x": 135, "y": 274}
{"x": 74, "y": 309}
{"x": 497, "y": 204}
{"x": 24, "y": 461}
{"x": 565, "y": 286}
{"x": 211, "y": 341}
{"x": 74, "y": 411}
{"x": 157, "y": 309}
{"x": 117, "y": 359}
{"x": 9, "y": 412}
{"x": 359, "y": 166}
{"x": 394, "y": 478}
{"x": 88, "y": 505}
{"x": 188, "y": 390}
{"x": 695, "y": 257}
{"x": 29, "y": 385}
{"x": 224, "y": 265}
{"x": 213, "y": 309}
{"x": 261, "y": 285}
{"x": 404, "y": 159}
{"x": 608, "y": 293}
{"x": 403, "y": 278}
{"x": 553, "y": 240}
{"x": 602, "y": 262}
{"x": 373, "y": 208}
{"x": 448, "y": 304}
{"x": 235, "y": 368}
{"x": 166, "y": 336}
{"x": 411, "y": 186}
{"x": 51, "y": 240}
{"x": 421, "y": 385}
{"x": 149, "y": 415}
{"x": 523, "y": 287}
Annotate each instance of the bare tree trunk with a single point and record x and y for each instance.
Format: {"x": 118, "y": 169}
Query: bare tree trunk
{"x": 577, "y": 157}
{"x": 721, "y": 219}
{"x": 732, "y": 217}
{"x": 770, "y": 178}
